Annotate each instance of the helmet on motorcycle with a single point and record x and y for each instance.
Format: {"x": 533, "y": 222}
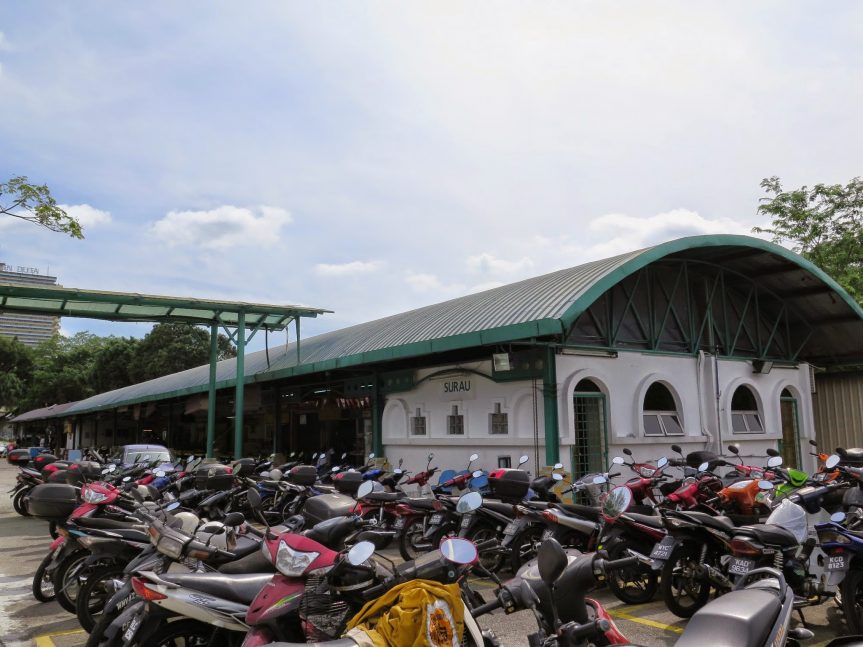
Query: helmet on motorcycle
{"x": 189, "y": 522}
{"x": 217, "y": 535}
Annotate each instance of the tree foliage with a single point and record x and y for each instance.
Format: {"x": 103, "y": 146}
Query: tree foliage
{"x": 66, "y": 369}
{"x": 34, "y": 203}
{"x": 173, "y": 347}
{"x": 825, "y": 225}
{"x": 16, "y": 371}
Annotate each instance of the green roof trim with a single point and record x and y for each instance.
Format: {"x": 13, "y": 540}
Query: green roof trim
{"x": 652, "y": 254}
{"x": 126, "y": 306}
{"x": 540, "y": 307}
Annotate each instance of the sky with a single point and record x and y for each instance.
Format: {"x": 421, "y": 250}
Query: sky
{"x": 372, "y": 157}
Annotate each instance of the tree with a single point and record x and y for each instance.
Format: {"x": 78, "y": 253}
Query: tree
{"x": 16, "y": 371}
{"x": 34, "y": 203}
{"x": 174, "y": 347}
{"x": 825, "y": 225}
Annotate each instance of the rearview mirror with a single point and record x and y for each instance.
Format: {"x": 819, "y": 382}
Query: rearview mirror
{"x": 551, "y": 561}
{"x": 617, "y": 460}
{"x": 159, "y": 473}
{"x": 813, "y": 443}
{"x": 771, "y": 452}
{"x": 171, "y": 506}
{"x": 476, "y": 474}
{"x": 774, "y": 461}
{"x": 557, "y": 477}
{"x": 676, "y": 448}
{"x": 522, "y": 460}
{"x": 253, "y": 497}
{"x": 832, "y": 461}
{"x": 662, "y": 462}
{"x": 734, "y": 449}
{"x": 704, "y": 467}
{"x": 837, "y": 517}
{"x": 765, "y": 485}
{"x": 276, "y": 474}
{"x": 371, "y": 455}
{"x": 599, "y": 480}
{"x": 344, "y": 455}
{"x": 473, "y": 457}
{"x": 234, "y": 519}
{"x": 558, "y": 466}
{"x": 459, "y": 551}
{"x": 468, "y": 502}
{"x": 627, "y": 451}
{"x": 366, "y": 488}
{"x": 361, "y": 553}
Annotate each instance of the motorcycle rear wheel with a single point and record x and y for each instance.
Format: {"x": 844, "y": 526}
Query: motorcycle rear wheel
{"x": 683, "y": 591}
{"x": 19, "y": 504}
{"x": 187, "y": 633}
{"x": 66, "y": 583}
{"x": 852, "y": 599}
{"x": 482, "y": 531}
{"x": 412, "y": 534}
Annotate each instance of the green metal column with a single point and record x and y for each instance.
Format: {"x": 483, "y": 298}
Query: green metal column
{"x": 238, "y": 395}
{"x": 211, "y": 397}
{"x": 549, "y": 401}
{"x": 377, "y": 420}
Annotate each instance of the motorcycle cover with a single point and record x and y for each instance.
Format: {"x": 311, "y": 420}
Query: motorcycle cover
{"x": 412, "y": 614}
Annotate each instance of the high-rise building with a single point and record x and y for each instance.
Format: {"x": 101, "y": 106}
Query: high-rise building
{"x": 28, "y": 329}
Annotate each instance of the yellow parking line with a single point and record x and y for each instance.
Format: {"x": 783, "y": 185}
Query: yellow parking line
{"x": 644, "y": 621}
{"x": 45, "y": 639}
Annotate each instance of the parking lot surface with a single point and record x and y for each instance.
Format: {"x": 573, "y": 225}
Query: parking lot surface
{"x": 23, "y": 621}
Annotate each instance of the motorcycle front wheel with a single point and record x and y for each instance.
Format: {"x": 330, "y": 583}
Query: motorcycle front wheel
{"x": 636, "y": 584}
{"x": 852, "y": 599}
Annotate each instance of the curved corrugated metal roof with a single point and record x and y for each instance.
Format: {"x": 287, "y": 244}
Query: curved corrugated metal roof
{"x": 540, "y": 306}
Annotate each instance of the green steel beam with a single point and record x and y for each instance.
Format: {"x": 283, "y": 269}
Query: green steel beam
{"x": 549, "y": 402}
{"x": 240, "y": 387}
{"x": 211, "y": 396}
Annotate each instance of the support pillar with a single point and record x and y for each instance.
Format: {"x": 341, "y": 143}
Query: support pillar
{"x": 211, "y": 395}
{"x": 241, "y": 381}
{"x": 549, "y": 402}
{"x": 377, "y": 420}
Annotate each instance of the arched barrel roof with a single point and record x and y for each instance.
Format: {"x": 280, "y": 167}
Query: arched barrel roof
{"x": 539, "y": 307}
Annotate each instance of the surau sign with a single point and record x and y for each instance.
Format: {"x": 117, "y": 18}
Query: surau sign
{"x": 457, "y": 387}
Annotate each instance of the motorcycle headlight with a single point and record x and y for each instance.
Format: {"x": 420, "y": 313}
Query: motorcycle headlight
{"x": 91, "y": 496}
{"x": 293, "y": 563}
{"x": 170, "y": 547}
{"x": 646, "y": 472}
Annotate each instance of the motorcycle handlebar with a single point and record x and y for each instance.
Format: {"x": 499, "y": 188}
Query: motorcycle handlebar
{"x": 617, "y": 564}
{"x": 488, "y": 607}
{"x": 571, "y": 632}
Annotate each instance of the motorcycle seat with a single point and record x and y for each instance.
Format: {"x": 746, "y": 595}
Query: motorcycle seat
{"x": 768, "y": 533}
{"x": 245, "y": 546}
{"x": 420, "y": 503}
{"x": 254, "y": 562}
{"x": 385, "y": 497}
{"x": 586, "y": 511}
{"x": 100, "y": 523}
{"x": 721, "y": 523}
{"x": 739, "y": 619}
{"x": 536, "y": 505}
{"x": 500, "y": 507}
{"x": 236, "y": 588}
{"x": 654, "y": 521}
{"x": 332, "y": 532}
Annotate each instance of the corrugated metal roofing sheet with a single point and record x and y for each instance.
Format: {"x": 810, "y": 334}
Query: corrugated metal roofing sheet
{"x": 543, "y": 305}
{"x": 53, "y": 411}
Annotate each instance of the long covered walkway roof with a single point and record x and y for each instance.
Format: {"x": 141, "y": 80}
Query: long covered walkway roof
{"x": 540, "y": 307}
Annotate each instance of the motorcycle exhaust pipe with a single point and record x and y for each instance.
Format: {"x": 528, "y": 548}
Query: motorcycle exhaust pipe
{"x": 714, "y": 576}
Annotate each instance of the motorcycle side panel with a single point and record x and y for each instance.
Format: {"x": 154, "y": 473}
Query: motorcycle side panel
{"x": 280, "y": 596}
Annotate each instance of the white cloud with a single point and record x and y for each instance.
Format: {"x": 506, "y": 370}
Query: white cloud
{"x": 223, "y": 227}
{"x": 347, "y": 269}
{"x": 422, "y": 282}
{"x": 623, "y": 233}
{"x": 86, "y": 215}
{"x": 491, "y": 264}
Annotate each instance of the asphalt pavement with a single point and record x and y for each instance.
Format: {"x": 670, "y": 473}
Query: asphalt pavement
{"x": 23, "y": 621}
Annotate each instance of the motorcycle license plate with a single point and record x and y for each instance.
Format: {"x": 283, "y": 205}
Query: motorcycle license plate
{"x": 837, "y": 563}
{"x": 663, "y": 549}
{"x": 436, "y": 520}
{"x": 740, "y": 565}
{"x": 511, "y": 528}
{"x": 400, "y": 523}
{"x": 465, "y": 522}
{"x": 132, "y": 629}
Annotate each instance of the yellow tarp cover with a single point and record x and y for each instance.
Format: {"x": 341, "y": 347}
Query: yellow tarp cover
{"x": 413, "y": 614}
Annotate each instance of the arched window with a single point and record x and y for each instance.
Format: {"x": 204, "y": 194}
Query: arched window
{"x": 745, "y": 417}
{"x": 661, "y": 417}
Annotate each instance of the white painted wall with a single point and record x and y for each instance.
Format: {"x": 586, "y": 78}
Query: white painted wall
{"x": 624, "y": 380}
